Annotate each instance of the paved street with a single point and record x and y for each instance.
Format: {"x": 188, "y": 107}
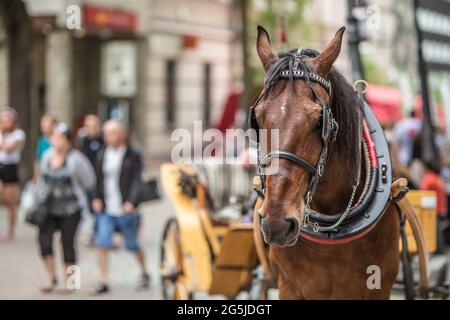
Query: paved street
{"x": 21, "y": 271}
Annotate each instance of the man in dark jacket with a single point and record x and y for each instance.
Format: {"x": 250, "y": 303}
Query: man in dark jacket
{"x": 90, "y": 138}
{"x": 90, "y": 142}
{"x": 118, "y": 170}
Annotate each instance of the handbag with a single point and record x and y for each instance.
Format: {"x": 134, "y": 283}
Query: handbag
{"x": 35, "y": 204}
{"x": 38, "y": 216}
{"x": 149, "y": 191}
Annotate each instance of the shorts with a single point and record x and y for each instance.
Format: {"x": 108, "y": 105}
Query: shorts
{"x": 9, "y": 173}
{"x": 127, "y": 225}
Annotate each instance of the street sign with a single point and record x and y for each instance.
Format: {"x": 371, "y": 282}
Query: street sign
{"x": 101, "y": 17}
{"x": 433, "y": 18}
{"x": 432, "y": 22}
{"x": 189, "y": 41}
{"x": 119, "y": 69}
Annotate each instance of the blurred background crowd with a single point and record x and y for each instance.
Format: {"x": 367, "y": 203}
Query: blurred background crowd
{"x": 94, "y": 85}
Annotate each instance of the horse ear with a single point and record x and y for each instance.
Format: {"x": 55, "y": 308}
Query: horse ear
{"x": 264, "y": 48}
{"x": 325, "y": 60}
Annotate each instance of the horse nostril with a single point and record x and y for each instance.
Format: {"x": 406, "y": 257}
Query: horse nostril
{"x": 280, "y": 231}
{"x": 294, "y": 227}
{"x": 265, "y": 228}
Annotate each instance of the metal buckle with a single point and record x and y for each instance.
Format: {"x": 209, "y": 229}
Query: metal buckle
{"x": 326, "y": 123}
{"x": 320, "y": 169}
{"x": 335, "y": 129}
{"x": 297, "y": 56}
{"x": 307, "y": 209}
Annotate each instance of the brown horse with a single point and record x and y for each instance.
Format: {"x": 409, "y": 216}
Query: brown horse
{"x": 301, "y": 268}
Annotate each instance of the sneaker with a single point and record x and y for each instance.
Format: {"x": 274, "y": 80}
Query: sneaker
{"x": 49, "y": 288}
{"x": 144, "y": 282}
{"x": 99, "y": 289}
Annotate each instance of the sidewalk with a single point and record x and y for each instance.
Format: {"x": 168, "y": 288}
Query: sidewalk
{"x": 22, "y": 273}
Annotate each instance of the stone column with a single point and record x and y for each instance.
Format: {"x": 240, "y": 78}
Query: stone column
{"x": 3, "y": 67}
{"x": 59, "y": 76}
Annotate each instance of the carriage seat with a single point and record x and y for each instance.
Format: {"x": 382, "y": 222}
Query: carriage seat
{"x": 228, "y": 186}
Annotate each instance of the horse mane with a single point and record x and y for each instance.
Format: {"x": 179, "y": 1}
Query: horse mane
{"x": 343, "y": 102}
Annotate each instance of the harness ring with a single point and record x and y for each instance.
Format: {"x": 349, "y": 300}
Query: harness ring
{"x": 361, "y": 82}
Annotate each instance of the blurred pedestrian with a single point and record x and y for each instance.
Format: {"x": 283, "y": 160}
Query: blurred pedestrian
{"x": 90, "y": 143}
{"x": 445, "y": 173}
{"x": 91, "y": 139}
{"x": 405, "y": 131}
{"x": 43, "y": 144}
{"x": 12, "y": 141}
{"x": 67, "y": 175}
{"x": 119, "y": 169}
{"x": 433, "y": 181}
{"x": 417, "y": 167}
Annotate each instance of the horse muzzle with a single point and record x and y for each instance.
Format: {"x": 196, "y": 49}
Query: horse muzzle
{"x": 282, "y": 233}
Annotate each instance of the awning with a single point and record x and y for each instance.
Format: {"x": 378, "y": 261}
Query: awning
{"x": 386, "y": 103}
{"x": 228, "y": 117}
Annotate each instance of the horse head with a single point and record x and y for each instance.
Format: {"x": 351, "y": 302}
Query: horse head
{"x": 295, "y": 107}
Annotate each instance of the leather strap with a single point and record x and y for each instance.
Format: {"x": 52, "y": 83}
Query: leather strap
{"x": 300, "y": 74}
{"x": 290, "y": 156}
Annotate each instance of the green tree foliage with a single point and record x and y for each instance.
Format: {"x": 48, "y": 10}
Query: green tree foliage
{"x": 373, "y": 73}
{"x": 271, "y": 14}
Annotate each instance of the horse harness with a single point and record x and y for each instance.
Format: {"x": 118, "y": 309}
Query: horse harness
{"x": 356, "y": 220}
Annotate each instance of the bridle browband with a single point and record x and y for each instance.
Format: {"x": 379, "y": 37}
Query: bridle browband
{"x": 298, "y": 70}
{"x": 300, "y": 74}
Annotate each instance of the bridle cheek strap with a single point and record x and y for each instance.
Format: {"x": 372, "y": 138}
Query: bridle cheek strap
{"x": 289, "y": 156}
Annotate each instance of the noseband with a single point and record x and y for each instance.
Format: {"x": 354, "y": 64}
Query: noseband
{"x": 328, "y": 123}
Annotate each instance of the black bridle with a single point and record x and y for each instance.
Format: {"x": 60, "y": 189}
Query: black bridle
{"x": 329, "y": 125}
{"x": 359, "y": 216}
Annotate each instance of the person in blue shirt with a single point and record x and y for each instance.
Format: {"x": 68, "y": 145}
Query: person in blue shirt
{"x": 43, "y": 144}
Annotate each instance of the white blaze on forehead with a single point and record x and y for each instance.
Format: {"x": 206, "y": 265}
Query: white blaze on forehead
{"x": 283, "y": 108}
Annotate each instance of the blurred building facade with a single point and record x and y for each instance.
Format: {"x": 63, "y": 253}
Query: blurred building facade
{"x": 3, "y": 66}
{"x": 161, "y": 64}
{"x": 158, "y": 65}
{"x": 388, "y": 27}
{"x": 329, "y": 16}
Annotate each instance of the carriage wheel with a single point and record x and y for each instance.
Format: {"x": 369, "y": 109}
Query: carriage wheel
{"x": 173, "y": 287}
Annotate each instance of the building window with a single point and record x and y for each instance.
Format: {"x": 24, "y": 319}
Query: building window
{"x": 207, "y": 94}
{"x": 170, "y": 94}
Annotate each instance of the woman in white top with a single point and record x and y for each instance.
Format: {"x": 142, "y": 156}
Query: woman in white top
{"x": 12, "y": 140}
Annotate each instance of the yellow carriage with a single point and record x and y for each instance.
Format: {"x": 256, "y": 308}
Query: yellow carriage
{"x": 201, "y": 252}
{"x": 424, "y": 203}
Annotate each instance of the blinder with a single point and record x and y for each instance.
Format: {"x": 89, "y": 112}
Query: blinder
{"x": 328, "y": 123}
